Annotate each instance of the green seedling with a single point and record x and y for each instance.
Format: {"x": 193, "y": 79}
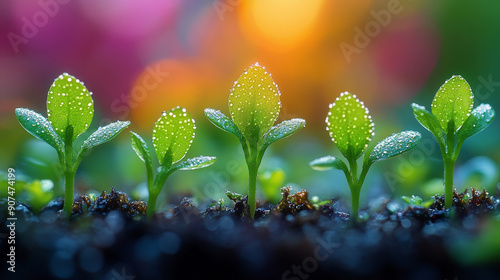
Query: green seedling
{"x": 417, "y": 201}
{"x": 351, "y": 129}
{"x": 452, "y": 121}
{"x": 173, "y": 135}
{"x": 254, "y": 104}
{"x": 70, "y": 110}
{"x": 270, "y": 183}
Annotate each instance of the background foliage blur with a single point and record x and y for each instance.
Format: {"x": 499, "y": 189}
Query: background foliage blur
{"x": 140, "y": 59}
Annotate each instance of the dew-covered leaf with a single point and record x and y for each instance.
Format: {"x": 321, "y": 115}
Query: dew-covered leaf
{"x": 254, "y": 102}
{"x": 173, "y": 134}
{"x": 69, "y": 103}
{"x": 394, "y": 145}
{"x": 104, "y": 134}
{"x": 194, "y": 163}
{"x": 350, "y": 126}
{"x": 282, "y": 130}
{"x": 426, "y": 119}
{"x": 453, "y": 103}
{"x": 326, "y": 163}
{"x": 223, "y": 122}
{"x": 141, "y": 148}
{"x": 39, "y": 127}
{"x": 478, "y": 120}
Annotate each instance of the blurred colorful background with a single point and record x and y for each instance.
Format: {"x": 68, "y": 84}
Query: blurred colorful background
{"x": 140, "y": 59}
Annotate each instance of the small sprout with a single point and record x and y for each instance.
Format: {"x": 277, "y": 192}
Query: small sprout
{"x": 351, "y": 128}
{"x": 453, "y": 120}
{"x": 254, "y": 104}
{"x": 417, "y": 201}
{"x": 271, "y": 182}
{"x": 70, "y": 110}
{"x": 173, "y": 135}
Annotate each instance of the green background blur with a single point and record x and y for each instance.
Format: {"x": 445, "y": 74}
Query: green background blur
{"x": 388, "y": 53}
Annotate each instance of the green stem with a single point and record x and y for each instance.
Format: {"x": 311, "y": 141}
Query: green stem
{"x": 449, "y": 164}
{"x": 155, "y": 189}
{"x": 153, "y": 196}
{"x": 69, "y": 173}
{"x": 69, "y": 193}
{"x": 252, "y": 187}
{"x": 355, "y": 193}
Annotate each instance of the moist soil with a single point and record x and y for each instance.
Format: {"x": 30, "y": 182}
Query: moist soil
{"x": 109, "y": 238}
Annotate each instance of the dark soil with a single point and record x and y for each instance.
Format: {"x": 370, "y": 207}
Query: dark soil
{"x": 108, "y": 238}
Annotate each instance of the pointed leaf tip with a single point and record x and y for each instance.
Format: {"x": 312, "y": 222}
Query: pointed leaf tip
{"x": 453, "y": 103}
{"x": 104, "y": 134}
{"x": 350, "y": 125}
{"x": 394, "y": 145}
{"x": 195, "y": 163}
{"x": 478, "y": 120}
{"x": 69, "y": 103}
{"x": 282, "y": 130}
{"x": 254, "y": 102}
{"x": 173, "y": 135}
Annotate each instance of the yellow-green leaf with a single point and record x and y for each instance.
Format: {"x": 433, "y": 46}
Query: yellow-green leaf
{"x": 173, "y": 134}
{"x": 350, "y": 125}
{"x": 453, "y": 103}
{"x": 254, "y": 102}
{"x": 69, "y": 103}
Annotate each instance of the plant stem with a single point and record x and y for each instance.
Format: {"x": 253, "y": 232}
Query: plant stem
{"x": 449, "y": 164}
{"x": 154, "y": 191}
{"x": 69, "y": 173}
{"x": 355, "y": 192}
{"x": 153, "y": 196}
{"x": 252, "y": 187}
{"x": 69, "y": 192}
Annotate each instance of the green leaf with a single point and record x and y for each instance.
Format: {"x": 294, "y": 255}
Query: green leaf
{"x": 194, "y": 163}
{"x": 426, "y": 119}
{"x": 223, "y": 122}
{"x": 104, "y": 134}
{"x": 39, "y": 127}
{"x": 453, "y": 103}
{"x": 69, "y": 103}
{"x": 141, "y": 148}
{"x": 173, "y": 135}
{"x": 254, "y": 102}
{"x": 350, "y": 125}
{"x": 282, "y": 130}
{"x": 412, "y": 200}
{"x": 479, "y": 119}
{"x": 394, "y": 145}
{"x": 326, "y": 163}
{"x": 234, "y": 196}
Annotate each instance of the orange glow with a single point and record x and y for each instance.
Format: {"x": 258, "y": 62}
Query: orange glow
{"x": 281, "y": 23}
{"x": 187, "y": 83}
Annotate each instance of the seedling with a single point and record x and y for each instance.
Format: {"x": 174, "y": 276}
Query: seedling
{"x": 70, "y": 110}
{"x": 351, "y": 128}
{"x": 173, "y": 135}
{"x": 452, "y": 121}
{"x": 417, "y": 201}
{"x": 254, "y": 104}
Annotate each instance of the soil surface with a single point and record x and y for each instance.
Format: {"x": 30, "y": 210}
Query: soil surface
{"x": 108, "y": 238}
